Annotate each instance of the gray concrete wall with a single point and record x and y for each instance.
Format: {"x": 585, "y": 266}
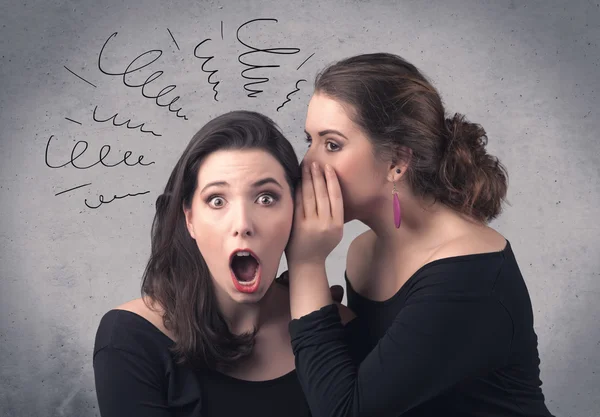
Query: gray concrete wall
{"x": 527, "y": 71}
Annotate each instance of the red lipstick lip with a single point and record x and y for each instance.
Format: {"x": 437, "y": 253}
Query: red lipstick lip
{"x": 243, "y": 250}
{"x": 248, "y": 289}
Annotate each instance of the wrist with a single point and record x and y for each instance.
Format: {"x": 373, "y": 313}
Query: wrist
{"x": 307, "y": 268}
{"x": 309, "y": 288}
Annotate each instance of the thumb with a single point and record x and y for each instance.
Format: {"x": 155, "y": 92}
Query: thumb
{"x": 337, "y": 293}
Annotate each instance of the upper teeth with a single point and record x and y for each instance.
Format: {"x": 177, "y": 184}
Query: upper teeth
{"x": 242, "y": 254}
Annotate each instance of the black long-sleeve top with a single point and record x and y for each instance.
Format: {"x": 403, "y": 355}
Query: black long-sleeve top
{"x": 456, "y": 340}
{"x": 137, "y": 375}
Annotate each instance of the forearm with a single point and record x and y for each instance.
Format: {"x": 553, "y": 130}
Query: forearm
{"x": 433, "y": 344}
{"x": 309, "y": 288}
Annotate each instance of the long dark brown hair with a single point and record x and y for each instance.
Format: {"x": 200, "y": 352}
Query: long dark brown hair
{"x": 399, "y": 109}
{"x": 176, "y": 276}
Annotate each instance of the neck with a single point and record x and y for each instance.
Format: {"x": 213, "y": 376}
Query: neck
{"x": 425, "y": 222}
{"x": 245, "y": 317}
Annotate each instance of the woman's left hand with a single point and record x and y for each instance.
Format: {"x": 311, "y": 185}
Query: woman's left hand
{"x": 319, "y": 217}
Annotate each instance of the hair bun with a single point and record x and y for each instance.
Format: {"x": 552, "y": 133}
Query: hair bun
{"x": 464, "y": 136}
{"x": 473, "y": 180}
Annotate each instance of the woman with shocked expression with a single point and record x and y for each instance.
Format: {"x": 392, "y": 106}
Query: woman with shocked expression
{"x": 209, "y": 335}
{"x": 243, "y": 204}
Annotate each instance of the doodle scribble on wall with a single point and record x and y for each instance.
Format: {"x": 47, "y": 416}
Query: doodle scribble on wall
{"x": 254, "y": 73}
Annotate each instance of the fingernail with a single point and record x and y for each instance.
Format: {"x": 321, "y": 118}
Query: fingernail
{"x": 315, "y": 166}
{"x": 328, "y": 168}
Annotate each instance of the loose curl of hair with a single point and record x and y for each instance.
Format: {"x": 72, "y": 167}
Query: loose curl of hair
{"x": 176, "y": 275}
{"x": 399, "y": 110}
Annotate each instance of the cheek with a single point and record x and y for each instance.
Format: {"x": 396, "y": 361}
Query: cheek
{"x": 349, "y": 176}
{"x": 210, "y": 248}
{"x": 358, "y": 181}
{"x": 278, "y": 230}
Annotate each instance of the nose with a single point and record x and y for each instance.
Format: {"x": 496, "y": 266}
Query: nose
{"x": 313, "y": 154}
{"x": 243, "y": 224}
{"x": 307, "y": 160}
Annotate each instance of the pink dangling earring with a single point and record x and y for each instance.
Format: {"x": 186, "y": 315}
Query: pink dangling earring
{"x": 397, "y": 214}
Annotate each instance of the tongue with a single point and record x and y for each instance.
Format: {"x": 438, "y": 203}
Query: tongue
{"x": 244, "y": 267}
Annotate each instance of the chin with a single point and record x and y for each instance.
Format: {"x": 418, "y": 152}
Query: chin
{"x": 239, "y": 298}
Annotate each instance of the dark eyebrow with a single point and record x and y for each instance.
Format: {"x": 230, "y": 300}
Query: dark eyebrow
{"x": 259, "y": 183}
{"x": 214, "y": 184}
{"x": 268, "y": 180}
{"x": 328, "y": 132}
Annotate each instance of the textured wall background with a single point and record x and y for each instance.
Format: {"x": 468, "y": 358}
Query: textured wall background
{"x": 527, "y": 71}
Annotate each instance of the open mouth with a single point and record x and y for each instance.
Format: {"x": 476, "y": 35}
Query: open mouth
{"x": 245, "y": 270}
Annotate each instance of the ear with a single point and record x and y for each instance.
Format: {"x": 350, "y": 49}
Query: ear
{"x": 187, "y": 211}
{"x": 399, "y": 164}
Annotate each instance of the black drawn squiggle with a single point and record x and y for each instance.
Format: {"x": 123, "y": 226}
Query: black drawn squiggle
{"x": 80, "y": 77}
{"x": 72, "y": 189}
{"x": 104, "y": 151}
{"x": 174, "y": 41}
{"x": 116, "y": 197}
{"x": 126, "y": 123}
{"x": 211, "y": 73}
{"x": 74, "y": 121}
{"x": 155, "y": 75}
{"x": 277, "y": 51}
{"x": 304, "y": 62}
{"x": 287, "y": 99}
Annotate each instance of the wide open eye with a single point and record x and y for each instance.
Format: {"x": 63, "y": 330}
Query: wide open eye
{"x": 216, "y": 202}
{"x": 266, "y": 199}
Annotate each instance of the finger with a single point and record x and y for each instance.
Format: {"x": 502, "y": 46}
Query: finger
{"x": 308, "y": 193}
{"x": 321, "y": 194}
{"x": 337, "y": 293}
{"x": 335, "y": 195}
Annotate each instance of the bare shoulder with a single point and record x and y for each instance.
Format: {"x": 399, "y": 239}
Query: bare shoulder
{"x": 145, "y": 309}
{"x": 137, "y": 306}
{"x": 473, "y": 241}
{"x": 359, "y": 256}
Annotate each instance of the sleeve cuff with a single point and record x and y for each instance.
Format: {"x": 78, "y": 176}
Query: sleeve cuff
{"x": 316, "y": 328}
